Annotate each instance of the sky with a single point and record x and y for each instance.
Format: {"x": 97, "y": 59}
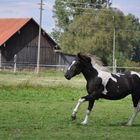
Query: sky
{"x": 30, "y": 9}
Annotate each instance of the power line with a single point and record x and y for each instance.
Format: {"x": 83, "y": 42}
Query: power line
{"x": 78, "y": 3}
{"x": 91, "y": 6}
{"x": 83, "y": 3}
{"x": 92, "y": 13}
{"x": 88, "y": 6}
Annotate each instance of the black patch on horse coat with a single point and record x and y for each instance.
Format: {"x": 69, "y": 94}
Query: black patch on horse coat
{"x": 120, "y": 89}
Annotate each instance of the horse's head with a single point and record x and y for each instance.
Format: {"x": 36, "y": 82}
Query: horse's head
{"x": 77, "y": 65}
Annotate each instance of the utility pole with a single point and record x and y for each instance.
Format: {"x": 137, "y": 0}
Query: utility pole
{"x": 114, "y": 47}
{"x": 107, "y": 4}
{"x": 39, "y": 36}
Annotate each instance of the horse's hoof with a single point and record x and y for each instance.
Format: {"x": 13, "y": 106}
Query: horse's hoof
{"x": 128, "y": 124}
{"x": 83, "y": 123}
{"x": 73, "y": 118}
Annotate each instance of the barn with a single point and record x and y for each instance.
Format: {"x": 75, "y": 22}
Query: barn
{"x": 19, "y": 42}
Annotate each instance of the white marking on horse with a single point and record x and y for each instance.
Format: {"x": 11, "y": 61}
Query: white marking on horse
{"x": 136, "y": 73}
{"x": 105, "y": 76}
{"x": 86, "y": 118}
{"x": 80, "y": 101}
{"x": 73, "y": 62}
{"x": 119, "y": 74}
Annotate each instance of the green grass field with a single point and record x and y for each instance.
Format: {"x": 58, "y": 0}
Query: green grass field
{"x": 39, "y": 108}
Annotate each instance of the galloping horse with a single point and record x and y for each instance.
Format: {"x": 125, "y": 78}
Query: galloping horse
{"x": 102, "y": 84}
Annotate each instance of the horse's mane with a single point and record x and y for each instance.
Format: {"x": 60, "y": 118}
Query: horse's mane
{"x": 97, "y": 63}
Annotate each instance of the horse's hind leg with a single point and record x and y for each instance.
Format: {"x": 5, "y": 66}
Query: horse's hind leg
{"x": 136, "y": 103}
{"x": 136, "y": 110}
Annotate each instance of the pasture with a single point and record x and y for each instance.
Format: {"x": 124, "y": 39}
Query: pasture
{"x": 38, "y": 107}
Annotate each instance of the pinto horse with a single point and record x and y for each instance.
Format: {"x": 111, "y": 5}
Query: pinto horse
{"x": 102, "y": 84}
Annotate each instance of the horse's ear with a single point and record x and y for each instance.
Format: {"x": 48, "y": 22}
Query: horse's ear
{"x": 84, "y": 58}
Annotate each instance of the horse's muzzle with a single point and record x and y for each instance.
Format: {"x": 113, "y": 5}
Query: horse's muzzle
{"x": 67, "y": 77}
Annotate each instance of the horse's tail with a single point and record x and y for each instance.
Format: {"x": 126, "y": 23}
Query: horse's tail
{"x": 135, "y": 80}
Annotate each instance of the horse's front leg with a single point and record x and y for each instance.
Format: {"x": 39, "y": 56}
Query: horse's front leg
{"x": 75, "y": 110}
{"x": 90, "y": 106}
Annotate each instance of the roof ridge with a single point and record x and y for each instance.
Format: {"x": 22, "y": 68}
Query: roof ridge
{"x": 16, "y": 18}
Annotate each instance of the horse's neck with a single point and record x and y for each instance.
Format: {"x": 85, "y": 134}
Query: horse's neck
{"x": 89, "y": 73}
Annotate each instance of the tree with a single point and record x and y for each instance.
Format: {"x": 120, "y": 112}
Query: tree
{"x": 93, "y": 33}
{"x": 133, "y": 26}
{"x": 65, "y": 11}
{"x": 88, "y": 26}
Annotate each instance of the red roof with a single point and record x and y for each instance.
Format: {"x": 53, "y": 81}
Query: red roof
{"x": 9, "y": 26}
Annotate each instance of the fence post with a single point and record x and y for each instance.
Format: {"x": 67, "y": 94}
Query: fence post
{"x": 15, "y": 63}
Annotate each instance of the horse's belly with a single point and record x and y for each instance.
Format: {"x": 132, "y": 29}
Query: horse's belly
{"x": 115, "y": 96}
{"x": 117, "y": 90}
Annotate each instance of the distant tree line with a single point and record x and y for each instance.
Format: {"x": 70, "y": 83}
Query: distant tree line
{"x": 89, "y": 25}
